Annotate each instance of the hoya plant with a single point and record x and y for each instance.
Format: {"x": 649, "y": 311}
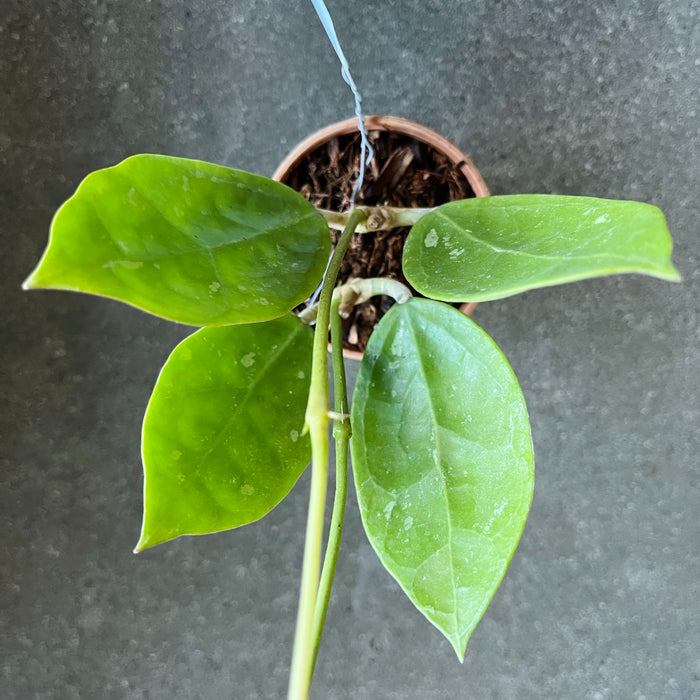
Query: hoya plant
{"x": 437, "y": 428}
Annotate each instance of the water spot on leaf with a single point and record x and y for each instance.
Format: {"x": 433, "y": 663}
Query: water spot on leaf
{"x": 248, "y": 360}
{"x": 389, "y": 508}
{"x": 500, "y": 508}
{"x": 294, "y": 435}
{"x": 126, "y": 264}
{"x": 247, "y": 490}
{"x": 431, "y": 240}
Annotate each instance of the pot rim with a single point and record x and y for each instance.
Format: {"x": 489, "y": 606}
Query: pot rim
{"x": 376, "y": 122}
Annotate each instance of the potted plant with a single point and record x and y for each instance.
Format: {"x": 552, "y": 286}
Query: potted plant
{"x": 437, "y": 427}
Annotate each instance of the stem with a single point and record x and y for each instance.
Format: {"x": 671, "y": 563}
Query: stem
{"x": 378, "y": 218}
{"x": 359, "y": 290}
{"x": 317, "y": 424}
{"x": 341, "y": 434}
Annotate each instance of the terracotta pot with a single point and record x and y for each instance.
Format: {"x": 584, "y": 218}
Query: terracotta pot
{"x": 397, "y": 125}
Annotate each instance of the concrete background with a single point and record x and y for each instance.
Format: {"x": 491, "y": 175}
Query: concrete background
{"x": 601, "y": 601}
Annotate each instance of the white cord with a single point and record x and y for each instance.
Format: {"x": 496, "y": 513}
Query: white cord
{"x": 366, "y": 150}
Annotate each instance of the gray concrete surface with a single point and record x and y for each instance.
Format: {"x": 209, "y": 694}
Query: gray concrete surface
{"x": 601, "y": 601}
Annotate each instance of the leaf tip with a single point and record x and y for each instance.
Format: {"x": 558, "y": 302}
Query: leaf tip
{"x": 667, "y": 272}
{"x": 143, "y": 543}
{"x": 38, "y": 279}
{"x": 31, "y": 282}
{"x": 460, "y": 648}
{"x": 674, "y": 275}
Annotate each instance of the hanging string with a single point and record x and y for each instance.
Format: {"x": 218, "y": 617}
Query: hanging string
{"x": 366, "y": 153}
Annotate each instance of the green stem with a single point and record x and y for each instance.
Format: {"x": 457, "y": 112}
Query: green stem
{"x": 378, "y": 218}
{"x": 341, "y": 434}
{"x": 317, "y": 424}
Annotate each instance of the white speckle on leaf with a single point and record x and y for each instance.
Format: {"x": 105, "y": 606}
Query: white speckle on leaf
{"x": 602, "y": 219}
{"x": 396, "y": 350}
{"x": 431, "y": 240}
{"x": 247, "y": 490}
{"x": 407, "y": 522}
{"x": 300, "y": 374}
{"x": 294, "y": 435}
{"x": 248, "y": 360}
{"x": 388, "y": 509}
{"x": 214, "y": 286}
{"x": 456, "y": 252}
{"x": 127, "y": 264}
{"x": 500, "y": 508}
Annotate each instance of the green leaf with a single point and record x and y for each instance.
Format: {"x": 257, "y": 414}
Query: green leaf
{"x": 443, "y": 461}
{"x": 190, "y": 241}
{"x": 222, "y": 441}
{"x": 492, "y": 247}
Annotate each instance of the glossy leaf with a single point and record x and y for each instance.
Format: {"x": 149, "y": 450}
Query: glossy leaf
{"x": 222, "y": 441}
{"x": 190, "y": 241}
{"x": 443, "y": 461}
{"x": 492, "y": 247}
